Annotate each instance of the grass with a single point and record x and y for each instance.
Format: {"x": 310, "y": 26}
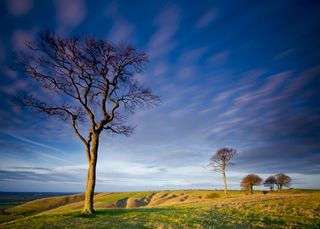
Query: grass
{"x": 11, "y": 199}
{"x": 10, "y": 204}
{"x": 201, "y": 209}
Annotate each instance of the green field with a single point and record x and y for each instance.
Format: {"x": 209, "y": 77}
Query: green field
{"x": 171, "y": 209}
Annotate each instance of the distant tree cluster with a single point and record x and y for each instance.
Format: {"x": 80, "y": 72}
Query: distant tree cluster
{"x": 279, "y": 180}
{"x": 222, "y": 158}
{"x": 270, "y": 182}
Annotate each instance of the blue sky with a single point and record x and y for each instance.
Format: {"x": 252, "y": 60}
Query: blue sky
{"x": 229, "y": 73}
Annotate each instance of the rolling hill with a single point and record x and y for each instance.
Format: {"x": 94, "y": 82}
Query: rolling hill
{"x": 163, "y": 209}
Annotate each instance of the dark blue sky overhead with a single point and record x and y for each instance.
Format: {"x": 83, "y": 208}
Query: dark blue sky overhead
{"x": 243, "y": 74}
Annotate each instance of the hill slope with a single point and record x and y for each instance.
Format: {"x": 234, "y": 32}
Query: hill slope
{"x": 183, "y": 208}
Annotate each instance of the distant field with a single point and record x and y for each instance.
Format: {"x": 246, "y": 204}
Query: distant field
{"x": 171, "y": 209}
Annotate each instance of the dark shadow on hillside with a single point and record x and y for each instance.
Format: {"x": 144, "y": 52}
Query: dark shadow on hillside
{"x": 116, "y": 212}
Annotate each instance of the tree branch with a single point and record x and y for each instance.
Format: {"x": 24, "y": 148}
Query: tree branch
{"x": 88, "y": 74}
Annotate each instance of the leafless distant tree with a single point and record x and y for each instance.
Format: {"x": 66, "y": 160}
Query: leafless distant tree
{"x": 95, "y": 79}
{"x": 270, "y": 182}
{"x": 282, "y": 180}
{"x": 249, "y": 181}
{"x": 220, "y": 161}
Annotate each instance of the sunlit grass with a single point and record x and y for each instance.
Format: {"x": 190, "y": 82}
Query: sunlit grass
{"x": 286, "y": 209}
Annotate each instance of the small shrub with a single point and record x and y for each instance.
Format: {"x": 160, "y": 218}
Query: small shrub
{"x": 211, "y": 195}
{"x": 264, "y": 192}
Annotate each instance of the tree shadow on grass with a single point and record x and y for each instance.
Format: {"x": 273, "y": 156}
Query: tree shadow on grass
{"x": 116, "y": 212}
{"x": 130, "y": 218}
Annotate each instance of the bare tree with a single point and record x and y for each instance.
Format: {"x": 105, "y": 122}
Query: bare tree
{"x": 249, "y": 181}
{"x": 270, "y": 182}
{"x": 282, "y": 180}
{"x": 95, "y": 80}
{"x": 220, "y": 161}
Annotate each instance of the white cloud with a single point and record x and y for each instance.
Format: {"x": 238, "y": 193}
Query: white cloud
{"x": 167, "y": 23}
{"x": 10, "y": 73}
{"x": 20, "y": 37}
{"x": 274, "y": 82}
{"x": 71, "y": 169}
{"x": 12, "y": 89}
{"x": 186, "y": 72}
{"x": 19, "y": 7}
{"x": 70, "y": 13}
{"x": 284, "y": 54}
{"x": 121, "y": 30}
{"x": 218, "y": 58}
{"x": 112, "y": 9}
{"x": 29, "y": 141}
{"x": 225, "y": 95}
{"x": 302, "y": 80}
{"x": 206, "y": 18}
{"x": 2, "y": 51}
{"x": 193, "y": 55}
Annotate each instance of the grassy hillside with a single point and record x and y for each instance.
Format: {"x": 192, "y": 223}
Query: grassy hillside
{"x": 173, "y": 209}
{"x": 11, "y": 199}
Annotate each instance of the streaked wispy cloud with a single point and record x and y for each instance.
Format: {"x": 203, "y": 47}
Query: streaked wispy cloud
{"x": 19, "y": 8}
{"x": 167, "y": 24}
{"x": 206, "y": 18}
{"x": 70, "y": 13}
{"x": 226, "y": 77}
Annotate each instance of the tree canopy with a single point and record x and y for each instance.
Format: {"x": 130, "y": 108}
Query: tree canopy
{"x": 220, "y": 160}
{"x": 282, "y": 180}
{"x": 270, "y": 182}
{"x": 249, "y": 181}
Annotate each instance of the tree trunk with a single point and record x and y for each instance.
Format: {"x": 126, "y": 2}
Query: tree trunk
{"x": 251, "y": 189}
{"x": 224, "y": 181}
{"x": 91, "y": 178}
